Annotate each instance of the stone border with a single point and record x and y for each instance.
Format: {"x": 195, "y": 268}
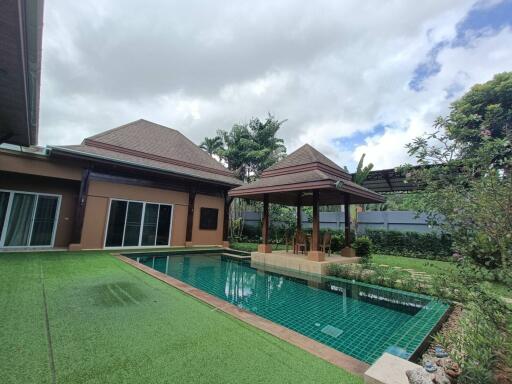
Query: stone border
{"x": 329, "y": 354}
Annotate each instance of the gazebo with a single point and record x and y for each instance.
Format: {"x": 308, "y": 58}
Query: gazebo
{"x": 306, "y": 178}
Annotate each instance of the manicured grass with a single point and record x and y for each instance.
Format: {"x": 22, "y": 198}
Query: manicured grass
{"x": 110, "y": 323}
{"x": 252, "y": 247}
{"x": 434, "y": 267}
{"x": 422, "y": 265}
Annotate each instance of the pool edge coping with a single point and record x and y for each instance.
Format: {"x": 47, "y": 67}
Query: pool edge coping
{"x": 331, "y": 355}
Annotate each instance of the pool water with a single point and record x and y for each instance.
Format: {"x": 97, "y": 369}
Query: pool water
{"x": 360, "y": 320}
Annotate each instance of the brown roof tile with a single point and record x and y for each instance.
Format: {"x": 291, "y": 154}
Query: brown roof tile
{"x": 303, "y": 170}
{"x": 303, "y": 156}
{"x": 154, "y": 146}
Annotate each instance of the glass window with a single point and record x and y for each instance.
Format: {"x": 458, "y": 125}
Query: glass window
{"x": 135, "y": 223}
{"x": 4, "y": 202}
{"x": 164, "y": 225}
{"x": 208, "y": 218}
{"x": 133, "y": 219}
{"x": 20, "y": 220}
{"x": 116, "y": 221}
{"x": 44, "y": 220}
{"x": 150, "y": 223}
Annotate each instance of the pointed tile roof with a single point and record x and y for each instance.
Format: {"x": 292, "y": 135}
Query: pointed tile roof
{"x": 305, "y": 155}
{"x": 155, "y": 146}
{"x": 292, "y": 179}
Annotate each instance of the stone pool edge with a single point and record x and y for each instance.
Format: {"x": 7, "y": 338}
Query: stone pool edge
{"x": 337, "y": 358}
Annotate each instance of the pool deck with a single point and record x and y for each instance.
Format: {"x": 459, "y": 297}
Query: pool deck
{"x": 299, "y": 262}
{"x": 324, "y": 352}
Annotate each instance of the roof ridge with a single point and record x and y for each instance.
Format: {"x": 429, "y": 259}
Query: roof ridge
{"x": 108, "y": 131}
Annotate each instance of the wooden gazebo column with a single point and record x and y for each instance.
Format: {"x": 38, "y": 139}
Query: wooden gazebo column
{"x": 299, "y": 212}
{"x": 265, "y": 247}
{"x": 314, "y": 253}
{"x": 347, "y": 251}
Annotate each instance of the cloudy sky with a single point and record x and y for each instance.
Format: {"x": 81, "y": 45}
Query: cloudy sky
{"x": 350, "y": 77}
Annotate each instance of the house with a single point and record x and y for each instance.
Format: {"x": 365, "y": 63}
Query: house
{"x": 139, "y": 185}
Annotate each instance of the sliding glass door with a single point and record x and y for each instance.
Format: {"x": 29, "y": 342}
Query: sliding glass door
{"x": 28, "y": 219}
{"x": 138, "y": 224}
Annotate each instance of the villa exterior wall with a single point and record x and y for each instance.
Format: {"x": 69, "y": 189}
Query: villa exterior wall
{"x": 38, "y": 165}
{"x": 97, "y": 206}
{"x": 207, "y": 236}
{"x": 67, "y": 189}
{"x": 37, "y": 173}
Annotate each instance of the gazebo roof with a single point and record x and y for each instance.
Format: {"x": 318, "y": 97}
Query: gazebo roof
{"x": 293, "y": 180}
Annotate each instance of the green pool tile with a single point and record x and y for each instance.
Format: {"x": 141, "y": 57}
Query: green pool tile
{"x": 361, "y": 320}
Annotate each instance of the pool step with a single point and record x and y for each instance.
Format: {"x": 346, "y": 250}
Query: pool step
{"x": 241, "y": 257}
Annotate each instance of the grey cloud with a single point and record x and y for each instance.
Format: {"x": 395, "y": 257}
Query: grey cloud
{"x": 331, "y": 68}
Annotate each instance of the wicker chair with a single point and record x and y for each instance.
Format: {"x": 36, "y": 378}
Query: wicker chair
{"x": 326, "y": 242}
{"x": 300, "y": 242}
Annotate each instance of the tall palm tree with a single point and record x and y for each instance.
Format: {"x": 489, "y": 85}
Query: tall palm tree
{"x": 212, "y": 145}
{"x": 362, "y": 171}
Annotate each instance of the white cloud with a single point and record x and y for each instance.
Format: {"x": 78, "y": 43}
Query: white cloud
{"x": 333, "y": 69}
{"x": 463, "y": 66}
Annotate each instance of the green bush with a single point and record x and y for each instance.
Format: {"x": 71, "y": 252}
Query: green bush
{"x": 363, "y": 246}
{"x": 411, "y": 244}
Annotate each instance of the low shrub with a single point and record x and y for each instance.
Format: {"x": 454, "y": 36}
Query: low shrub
{"x": 411, "y": 244}
{"x": 383, "y": 276}
{"x": 363, "y": 247}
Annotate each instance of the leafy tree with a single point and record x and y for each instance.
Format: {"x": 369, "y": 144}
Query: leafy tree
{"x": 465, "y": 173}
{"x": 211, "y": 145}
{"x": 249, "y": 148}
{"x": 485, "y": 112}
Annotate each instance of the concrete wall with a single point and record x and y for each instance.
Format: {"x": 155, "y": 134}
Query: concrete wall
{"x": 25, "y": 172}
{"x": 67, "y": 189}
{"x": 388, "y": 220}
{"x": 203, "y": 236}
{"x": 96, "y": 212}
{"x": 96, "y": 209}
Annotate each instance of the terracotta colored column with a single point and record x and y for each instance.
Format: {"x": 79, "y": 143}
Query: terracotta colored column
{"x": 314, "y": 254}
{"x": 299, "y": 213}
{"x": 347, "y": 250}
{"x": 190, "y": 218}
{"x": 76, "y": 235}
{"x": 265, "y": 247}
{"x": 316, "y": 223}
{"x": 225, "y": 225}
{"x": 347, "y": 224}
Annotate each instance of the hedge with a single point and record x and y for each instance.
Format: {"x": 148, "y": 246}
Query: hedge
{"x": 411, "y": 244}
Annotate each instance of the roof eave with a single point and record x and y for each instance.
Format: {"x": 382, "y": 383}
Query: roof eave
{"x": 80, "y": 154}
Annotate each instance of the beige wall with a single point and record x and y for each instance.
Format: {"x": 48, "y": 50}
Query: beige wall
{"x": 38, "y": 174}
{"x": 202, "y": 236}
{"x": 38, "y": 165}
{"x": 96, "y": 211}
{"x": 69, "y": 191}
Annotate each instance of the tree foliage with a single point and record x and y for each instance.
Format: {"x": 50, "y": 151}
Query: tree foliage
{"x": 212, "y": 145}
{"x": 247, "y": 149}
{"x": 466, "y": 173}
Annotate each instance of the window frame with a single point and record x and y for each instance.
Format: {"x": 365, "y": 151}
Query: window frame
{"x": 3, "y": 234}
{"x": 217, "y": 222}
{"x": 141, "y": 226}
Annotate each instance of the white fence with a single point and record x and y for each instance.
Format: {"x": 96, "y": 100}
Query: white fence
{"x": 387, "y": 220}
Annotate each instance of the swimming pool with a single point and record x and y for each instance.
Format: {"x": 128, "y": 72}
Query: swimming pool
{"x": 358, "y": 319}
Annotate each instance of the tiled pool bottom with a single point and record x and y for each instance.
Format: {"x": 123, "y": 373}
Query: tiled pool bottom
{"x": 357, "y": 319}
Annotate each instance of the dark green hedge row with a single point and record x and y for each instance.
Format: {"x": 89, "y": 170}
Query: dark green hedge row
{"x": 411, "y": 244}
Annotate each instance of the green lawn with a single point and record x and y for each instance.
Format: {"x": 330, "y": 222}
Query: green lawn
{"x": 252, "y": 247}
{"x": 433, "y": 267}
{"x": 423, "y": 265}
{"x": 110, "y": 323}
